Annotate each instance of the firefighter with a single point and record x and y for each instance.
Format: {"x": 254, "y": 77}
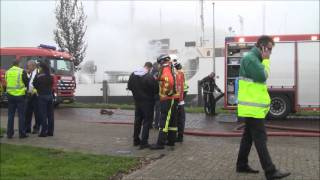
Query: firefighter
{"x": 32, "y": 102}
{"x": 253, "y": 106}
{"x": 168, "y": 104}
{"x": 144, "y": 89}
{"x": 209, "y": 86}
{"x": 43, "y": 85}
{"x": 16, "y": 80}
{"x": 181, "y": 116}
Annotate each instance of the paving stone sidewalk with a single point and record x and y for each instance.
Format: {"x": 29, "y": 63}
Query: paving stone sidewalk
{"x": 199, "y": 158}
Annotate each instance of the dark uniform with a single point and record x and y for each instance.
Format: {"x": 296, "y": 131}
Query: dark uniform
{"x": 43, "y": 84}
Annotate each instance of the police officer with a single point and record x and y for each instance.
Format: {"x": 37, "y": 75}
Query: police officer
{"x": 32, "y": 102}
{"x": 43, "y": 85}
{"x": 168, "y": 104}
{"x": 253, "y": 106}
{"x": 16, "y": 81}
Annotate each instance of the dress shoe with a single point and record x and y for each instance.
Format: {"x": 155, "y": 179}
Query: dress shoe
{"x": 143, "y": 146}
{"x": 277, "y": 175}
{"x": 247, "y": 169}
{"x": 42, "y": 135}
{"x": 23, "y": 136}
{"x": 10, "y": 137}
{"x": 156, "y": 147}
{"x": 49, "y": 134}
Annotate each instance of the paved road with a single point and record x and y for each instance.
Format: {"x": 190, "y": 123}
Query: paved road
{"x": 197, "y": 158}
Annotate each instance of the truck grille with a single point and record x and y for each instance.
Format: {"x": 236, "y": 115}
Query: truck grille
{"x": 66, "y": 85}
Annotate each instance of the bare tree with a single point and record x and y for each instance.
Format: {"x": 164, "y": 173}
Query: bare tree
{"x": 71, "y": 28}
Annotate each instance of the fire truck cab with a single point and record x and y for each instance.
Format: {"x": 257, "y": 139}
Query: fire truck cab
{"x": 60, "y": 62}
{"x": 294, "y": 72}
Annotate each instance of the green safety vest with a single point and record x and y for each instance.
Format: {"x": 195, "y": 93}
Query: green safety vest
{"x": 15, "y": 85}
{"x": 253, "y": 97}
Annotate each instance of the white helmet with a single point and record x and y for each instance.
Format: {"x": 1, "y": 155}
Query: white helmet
{"x": 173, "y": 57}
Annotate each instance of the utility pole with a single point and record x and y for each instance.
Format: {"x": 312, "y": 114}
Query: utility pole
{"x": 213, "y": 41}
{"x": 202, "y": 24}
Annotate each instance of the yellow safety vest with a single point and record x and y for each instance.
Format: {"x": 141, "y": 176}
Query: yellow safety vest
{"x": 253, "y": 97}
{"x": 15, "y": 85}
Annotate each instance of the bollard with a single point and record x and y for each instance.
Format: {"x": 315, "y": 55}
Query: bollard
{"x": 105, "y": 89}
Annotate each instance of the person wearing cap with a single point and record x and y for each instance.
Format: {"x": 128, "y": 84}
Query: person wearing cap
{"x": 144, "y": 88}
{"x": 181, "y": 116}
{"x": 168, "y": 104}
{"x": 16, "y": 81}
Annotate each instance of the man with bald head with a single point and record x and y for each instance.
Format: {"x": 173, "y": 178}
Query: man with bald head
{"x": 32, "y": 104}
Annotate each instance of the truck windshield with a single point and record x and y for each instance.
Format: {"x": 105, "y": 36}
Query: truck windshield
{"x": 62, "y": 66}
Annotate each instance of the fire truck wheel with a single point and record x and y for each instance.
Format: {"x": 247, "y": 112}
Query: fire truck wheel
{"x": 279, "y": 107}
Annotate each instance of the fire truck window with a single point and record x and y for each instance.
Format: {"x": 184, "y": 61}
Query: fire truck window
{"x": 63, "y": 65}
{"x": 6, "y": 61}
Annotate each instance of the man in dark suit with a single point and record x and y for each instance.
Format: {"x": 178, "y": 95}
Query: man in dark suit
{"x": 32, "y": 103}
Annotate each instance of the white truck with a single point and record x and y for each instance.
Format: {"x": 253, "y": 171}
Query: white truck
{"x": 294, "y": 72}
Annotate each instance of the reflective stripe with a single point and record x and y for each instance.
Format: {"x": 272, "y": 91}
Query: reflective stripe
{"x": 18, "y": 80}
{"x": 173, "y": 129}
{"x": 166, "y": 127}
{"x": 253, "y": 104}
{"x": 245, "y": 79}
{"x": 249, "y": 80}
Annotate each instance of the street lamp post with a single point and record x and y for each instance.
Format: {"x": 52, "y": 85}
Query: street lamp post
{"x": 213, "y": 41}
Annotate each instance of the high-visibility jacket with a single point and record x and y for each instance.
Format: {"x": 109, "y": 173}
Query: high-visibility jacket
{"x": 253, "y": 96}
{"x": 14, "y": 81}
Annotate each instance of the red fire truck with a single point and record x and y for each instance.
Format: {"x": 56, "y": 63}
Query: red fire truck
{"x": 61, "y": 65}
{"x": 294, "y": 72}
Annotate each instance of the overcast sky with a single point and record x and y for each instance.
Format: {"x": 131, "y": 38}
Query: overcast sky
{"x": 112, "y": 30}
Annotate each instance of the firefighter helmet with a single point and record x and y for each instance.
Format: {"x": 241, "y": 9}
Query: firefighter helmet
{"x": 162, "y": 58}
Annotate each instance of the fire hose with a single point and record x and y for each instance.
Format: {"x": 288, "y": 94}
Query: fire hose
{"x": 237, "y": 132}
